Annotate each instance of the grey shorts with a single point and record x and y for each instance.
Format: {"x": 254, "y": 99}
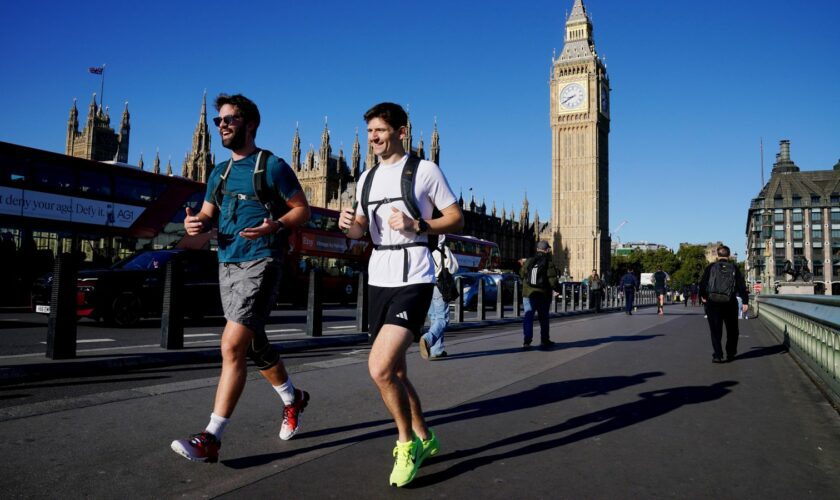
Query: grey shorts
{"x": 249, "y": 290}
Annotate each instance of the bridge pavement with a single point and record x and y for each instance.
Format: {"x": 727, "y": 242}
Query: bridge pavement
{"x": 621, "y": 407}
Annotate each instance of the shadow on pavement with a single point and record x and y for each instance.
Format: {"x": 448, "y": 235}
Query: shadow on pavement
{"x": 651, "y": 405}
{"x": 758, "y": 352}
{"x": 544, "y": 394}
{"x": 556, "y": 347}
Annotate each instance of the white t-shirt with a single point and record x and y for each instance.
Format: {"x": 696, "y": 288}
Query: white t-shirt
{"x": 386, "y": 267}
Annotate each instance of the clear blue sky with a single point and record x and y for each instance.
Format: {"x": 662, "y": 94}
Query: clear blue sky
{"x": 695, "y": 85}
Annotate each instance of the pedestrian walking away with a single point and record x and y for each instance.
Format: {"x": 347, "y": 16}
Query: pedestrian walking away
{"x": 596, "y": 288}
{"x": 401, "y": 272}
{"x": 431, "y": 343}
{"x": 722, "y": 282}
{"x": 252, "y": 241}
{"x": 629, "y": 284}
{"x": 659, "y": 285}
{"x": 539, "y": 280}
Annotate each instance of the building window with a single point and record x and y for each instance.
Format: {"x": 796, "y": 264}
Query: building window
{"x": 778, "y": 215}
{"x": 779, "y": 234}
{"x": 797, "y": 233}
{"x": 816, "y": 233}
{"x": 835, "y": 215}
{"x": 797, "y": 201}
{"x": 815, "y": 199}
{"x": 816, "y": 216}
{"x": 835, "y": 198}
{"x": 796, "y": 216}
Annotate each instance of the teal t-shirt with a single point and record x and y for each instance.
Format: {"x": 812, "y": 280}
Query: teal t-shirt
{"x": 236, "y": 214}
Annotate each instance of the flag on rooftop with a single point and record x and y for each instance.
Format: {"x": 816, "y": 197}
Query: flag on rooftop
{"x": 96, "y": 70}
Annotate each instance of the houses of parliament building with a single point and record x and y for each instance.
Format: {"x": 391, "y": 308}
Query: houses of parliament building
{"x": 327, "y": 179}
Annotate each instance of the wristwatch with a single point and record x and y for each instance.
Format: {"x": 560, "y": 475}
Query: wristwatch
{"x": 422, "y": 226}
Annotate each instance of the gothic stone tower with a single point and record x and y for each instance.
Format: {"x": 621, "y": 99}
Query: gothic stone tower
{"x": 580, "y": 127}
{"x": 97, "y": 140}
{"x": 199, "y": 161}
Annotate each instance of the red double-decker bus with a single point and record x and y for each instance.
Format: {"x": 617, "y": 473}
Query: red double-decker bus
{"x": 321, "y": 245}
{"x": 101, "y": 212}
{"x": 474, "y": 254}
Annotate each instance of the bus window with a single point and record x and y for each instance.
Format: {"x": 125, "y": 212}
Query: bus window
{"x": 54, "y": 177}
{"x": 94, "y": 183}
{"x": 14, "y": 175}
{"x": 134, "y": 189}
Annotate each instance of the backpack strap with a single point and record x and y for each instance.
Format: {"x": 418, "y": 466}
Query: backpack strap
{"x": 218, "y": 193}
{"x": 268, "y": 197}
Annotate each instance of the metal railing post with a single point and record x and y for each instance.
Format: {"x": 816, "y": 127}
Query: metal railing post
{"x": 172, "y": 314}
{"x": 458, "y": 317}
{"x": 517, "y": 309}
{"x": 362, "y": 320}
{"x": 479, "y": 302}
{"x": 61, "y": 325}
{"x": 314, "y": 306}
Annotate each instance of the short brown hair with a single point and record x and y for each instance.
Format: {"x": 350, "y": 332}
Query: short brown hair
{"x": 393, "y": 114}
{"x": 247, "y": 109}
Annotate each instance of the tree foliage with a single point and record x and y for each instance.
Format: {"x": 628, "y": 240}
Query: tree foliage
{"x": 685, "y": 267}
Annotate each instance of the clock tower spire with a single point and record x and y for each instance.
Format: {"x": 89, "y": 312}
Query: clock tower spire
{"x": 580, "y": 127}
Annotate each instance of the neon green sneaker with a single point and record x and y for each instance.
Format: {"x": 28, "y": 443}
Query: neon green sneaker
{"x": 407, "y": 461}
{"x": 431, "y": 447}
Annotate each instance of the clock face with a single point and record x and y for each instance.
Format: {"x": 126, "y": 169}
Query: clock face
{"x": 572, "y": 96}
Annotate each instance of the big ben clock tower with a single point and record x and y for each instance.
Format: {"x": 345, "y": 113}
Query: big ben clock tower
{"x": 580, "y": 127}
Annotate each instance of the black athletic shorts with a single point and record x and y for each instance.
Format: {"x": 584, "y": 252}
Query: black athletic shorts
{"x": 404, "y": 306}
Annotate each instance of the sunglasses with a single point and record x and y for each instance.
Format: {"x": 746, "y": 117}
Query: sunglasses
{"x": 228, "y": 119}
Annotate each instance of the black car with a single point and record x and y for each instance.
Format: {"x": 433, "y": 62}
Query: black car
{"x": 133, "y": 288}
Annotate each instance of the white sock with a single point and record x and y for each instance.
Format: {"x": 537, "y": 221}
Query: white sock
{"x": 217, "y": 425}
{"x": 286, "y": 392}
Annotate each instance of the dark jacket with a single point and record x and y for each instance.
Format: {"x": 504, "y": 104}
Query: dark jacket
{"x": 740, "y": 285}
{"x": 528, "y": 290}
{"x": 629, "y": 281}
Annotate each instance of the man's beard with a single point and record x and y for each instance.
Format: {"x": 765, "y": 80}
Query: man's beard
{"x": 237, "y": 141}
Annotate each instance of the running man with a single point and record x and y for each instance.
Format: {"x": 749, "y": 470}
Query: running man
{"x": 659, "y": 279}
{"x": 401, "y": 273}
{"x": 251, "y": 248}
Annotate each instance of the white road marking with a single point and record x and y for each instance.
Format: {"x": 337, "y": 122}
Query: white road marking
{"x": 90, "y": 341}
{"x": 284, "y": 330}
{"x": 201, "y": 335}
{"x": 348, "y": 327}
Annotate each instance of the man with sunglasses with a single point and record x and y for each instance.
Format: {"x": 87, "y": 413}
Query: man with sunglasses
{"x": 401, "y": 273}
{"x": 251, "y": 247}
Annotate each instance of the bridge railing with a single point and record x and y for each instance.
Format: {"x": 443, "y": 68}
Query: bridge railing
{"x": 809, "y": 325}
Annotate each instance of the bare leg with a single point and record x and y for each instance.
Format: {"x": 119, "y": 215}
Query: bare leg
{"x": 418, "y": 423}
{"x": 386, "y": 356}
{"x": 235, "y": 341}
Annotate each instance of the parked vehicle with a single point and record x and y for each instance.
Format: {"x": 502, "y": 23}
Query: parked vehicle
{"x": 469, "y": 299}
{"x": 132, "y": 289}
{"x": 492, "y": 283}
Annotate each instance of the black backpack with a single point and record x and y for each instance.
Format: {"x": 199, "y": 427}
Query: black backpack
{"x": 445, "y": 281}
{"x": 721, "y": 282}
{"x": 409, "y": 172}
{"x": 269, "y": 198}
{"x": 538, "y": 273}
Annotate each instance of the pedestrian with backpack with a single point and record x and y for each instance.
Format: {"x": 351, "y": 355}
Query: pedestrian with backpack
{"x": 722, "y": 282}
{"x": 539, "y": 280}
{"x": 256, "y": 198}
{"x": 431, "y": 343}
{"x": 397, "y": 203}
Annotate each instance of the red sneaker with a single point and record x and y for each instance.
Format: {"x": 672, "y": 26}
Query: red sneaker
{"x": 291, "y": 415}
{"x": 201, "y": 447}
